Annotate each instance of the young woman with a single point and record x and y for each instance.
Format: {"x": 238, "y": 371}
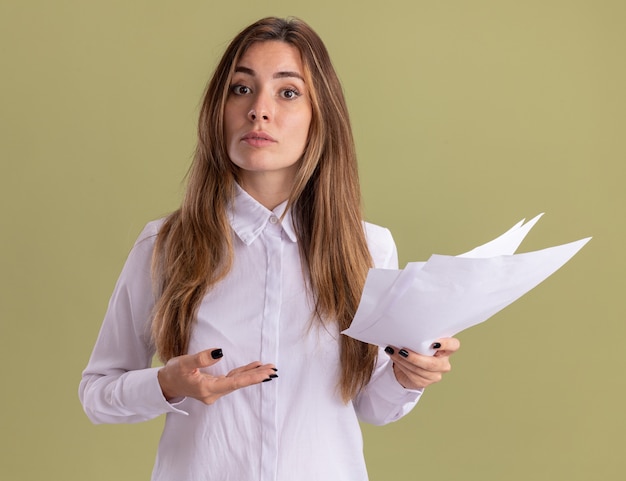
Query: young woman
{"x": 253, "y": 278}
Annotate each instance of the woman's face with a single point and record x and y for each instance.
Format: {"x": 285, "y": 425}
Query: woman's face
{"x": 267, "y": 115}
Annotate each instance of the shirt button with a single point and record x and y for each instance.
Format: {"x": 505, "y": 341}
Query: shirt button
{"x": 273, "y": 219}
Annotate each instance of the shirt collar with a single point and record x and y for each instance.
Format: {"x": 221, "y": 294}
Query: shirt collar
{"x": 248, "y": 217}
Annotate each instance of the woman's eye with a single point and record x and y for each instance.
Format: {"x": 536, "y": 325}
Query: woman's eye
{"x": 240, "y": 90}
{"x": 290, "y": 94}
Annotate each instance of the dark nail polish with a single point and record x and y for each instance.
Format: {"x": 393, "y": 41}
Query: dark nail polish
{"x": 436, "y": 345}
{"x": 268, "y": 379}
{"x": 403, "y": 353}
{"x": 274, "y": 369}
{"x": 389, "y": 350}
{"x": 216, "y": 353}
{"x": 273, "y": 376}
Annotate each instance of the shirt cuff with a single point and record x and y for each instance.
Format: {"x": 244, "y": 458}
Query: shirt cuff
{"x": 142, "y": 389}
{"x": 393, "y": 391}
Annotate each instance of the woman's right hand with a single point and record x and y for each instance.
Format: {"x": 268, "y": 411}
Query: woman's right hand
{"x": 181, "y": 377}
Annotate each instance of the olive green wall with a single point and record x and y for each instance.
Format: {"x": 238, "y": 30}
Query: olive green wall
{"x": 468, "y": 116}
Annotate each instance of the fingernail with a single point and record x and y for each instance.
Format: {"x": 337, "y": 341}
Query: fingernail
{"x": 273, "y": 376}
{"x": 216, "y": 353}
{"x": 389, "y": 350}
{"x": 403, "y": 353}
{"x": 268, "y": 379}
{"x": 436, "y": 345}
{"x": 274, "y": 369}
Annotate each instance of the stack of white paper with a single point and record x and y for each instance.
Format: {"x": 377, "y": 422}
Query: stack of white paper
{"x": 429, "y": 300}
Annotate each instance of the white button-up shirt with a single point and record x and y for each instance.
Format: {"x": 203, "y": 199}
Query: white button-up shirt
{"x": 294, "y": 427}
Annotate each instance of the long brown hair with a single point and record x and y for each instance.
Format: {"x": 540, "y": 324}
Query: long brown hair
{"x": 194, "y": 248}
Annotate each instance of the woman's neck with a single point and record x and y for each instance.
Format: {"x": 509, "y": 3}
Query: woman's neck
{"x": 266, "y": 190}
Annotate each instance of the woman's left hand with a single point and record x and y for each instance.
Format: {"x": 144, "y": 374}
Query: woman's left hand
{"x": 417, "y": 371}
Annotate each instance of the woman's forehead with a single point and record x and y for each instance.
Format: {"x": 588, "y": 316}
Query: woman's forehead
{"x": 274, "y": 53}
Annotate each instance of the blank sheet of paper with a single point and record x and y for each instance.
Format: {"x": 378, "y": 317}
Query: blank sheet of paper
{"x": 425, "y": 301}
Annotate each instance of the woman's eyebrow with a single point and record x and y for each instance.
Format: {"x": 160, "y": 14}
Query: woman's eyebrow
{"x": 249, "y": 71}
{"x": 288, "y": 74}
{"x": 245, "y": 70}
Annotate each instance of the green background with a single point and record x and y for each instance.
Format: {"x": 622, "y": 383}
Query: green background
{"x": 468, "y": 116}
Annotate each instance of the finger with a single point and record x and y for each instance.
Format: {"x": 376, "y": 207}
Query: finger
{"x": 265, "y": 372}
{"x": 411, "y": 378}
{"x": 243, "y": 378}
{"x": 205, "y": 358}
{"x": 446, "y": 346}
{"x": 418, "y": 363}
{"x": 247, "y": 367}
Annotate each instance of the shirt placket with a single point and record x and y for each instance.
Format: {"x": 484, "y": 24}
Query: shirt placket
{"x": 269, "y": 347}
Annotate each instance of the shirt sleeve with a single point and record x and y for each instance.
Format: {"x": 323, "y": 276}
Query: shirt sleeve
{"x": 119, "y": 385}
{"x": 384, "y": 399}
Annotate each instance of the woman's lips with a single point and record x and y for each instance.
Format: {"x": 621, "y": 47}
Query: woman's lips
{"x": 258, "y": 139}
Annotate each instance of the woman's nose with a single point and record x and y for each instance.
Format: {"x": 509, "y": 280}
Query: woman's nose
{"x": 260, "y": 109}
{"x": 255, "y": 114}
